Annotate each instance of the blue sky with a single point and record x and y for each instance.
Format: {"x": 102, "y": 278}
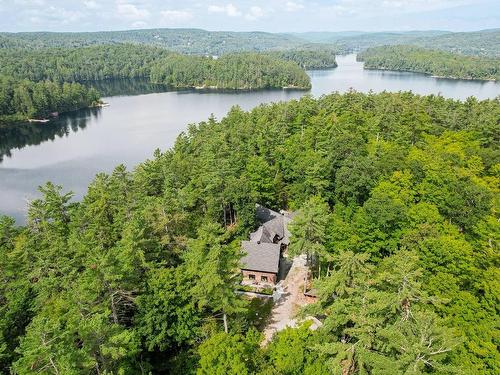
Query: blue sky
{"x": 242, "y": 15}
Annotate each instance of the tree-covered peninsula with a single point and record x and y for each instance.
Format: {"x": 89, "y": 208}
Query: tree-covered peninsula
{"x": 437, "y": 63}
{"x": 21, "y": 100}
{"x": 235, "y": 71}
{"x": 309, "y": 58}
{"x": 44, "y": 81}
{"x": 245, "y": 71}
{"x": 397, "y": 201}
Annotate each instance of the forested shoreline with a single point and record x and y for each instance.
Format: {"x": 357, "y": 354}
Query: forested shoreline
{"x": 243, "y": 71}
{"x": 400, "y": 195}
{"x": 96, "y": 63}
{"x": 43, "y": 81}
{"x": 433, "y": 62}
{"x": 21, "y": 100}
{"x": 311, "y": 58}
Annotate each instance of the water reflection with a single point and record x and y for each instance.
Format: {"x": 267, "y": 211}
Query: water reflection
{"x": 120, "y": 87}
{"x": 18, "y": 136}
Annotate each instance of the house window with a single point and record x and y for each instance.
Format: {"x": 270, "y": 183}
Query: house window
{"x": 263, "y": 278}
{"x": 251, "y": 277}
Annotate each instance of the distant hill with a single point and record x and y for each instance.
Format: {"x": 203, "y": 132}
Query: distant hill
{"x": 480, "y": 43}
{"x": 190, "y": 41}
{"x": 326, "y": 36}
{"x": 431, "y": 61}
{"x": 203, "y": 42}
{"x": 363, "y": 39}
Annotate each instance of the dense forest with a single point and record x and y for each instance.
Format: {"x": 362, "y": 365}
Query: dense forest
{"x": 397, "y": 198}
{"x": 188, "y": 41}
{"x": 311, "y": 58}
{"x": 475, "y": 43}
{"x": 132, "y": 61}
{"x": 80, "y": 64}
{"x": 24, "y": 99}
{"x": 38, "y": 82}
{"x": 385, "y": 37}
{"x": 202, "y": 42}
{"x": 233, "y": 71}
{"x": 437, "y": 63}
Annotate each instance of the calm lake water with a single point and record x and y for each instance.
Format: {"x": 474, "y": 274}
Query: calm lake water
{"x": 141, "y": 118}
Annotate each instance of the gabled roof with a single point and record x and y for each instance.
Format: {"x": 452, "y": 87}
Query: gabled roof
{"x": 264, "y": 257}
{"x": 271, "y": 220}
{"x": 261, "y": 235}
{"x": 276, "y": 227}
{"x": 265, "y": 214}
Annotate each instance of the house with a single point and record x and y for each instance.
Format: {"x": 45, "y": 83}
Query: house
{"x": 261, "y": 262}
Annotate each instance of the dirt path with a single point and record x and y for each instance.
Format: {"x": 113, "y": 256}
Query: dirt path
{"x": 285, "y": 309}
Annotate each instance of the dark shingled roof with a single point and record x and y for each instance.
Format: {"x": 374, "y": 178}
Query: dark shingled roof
{"x": 264, "y": 257}
{"x": 261, "y": 235}
{"x": 265, "y": 214}
{"x": 272, "y": 221}
{"x": 275, "y": 227}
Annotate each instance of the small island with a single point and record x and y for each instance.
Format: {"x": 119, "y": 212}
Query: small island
{"x": 432, "y": 62}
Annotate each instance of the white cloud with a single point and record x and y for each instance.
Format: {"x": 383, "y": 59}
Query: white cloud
{"x": 29, "y": 2}
{"x": 291, "y": 6}
{"x": 254, "y": 13}
{"x": 176, "y": 15}
{"x": 130, "y": 11}
{"x": 139, "y": 24}
{"x": 91, "y": 4}
{"x": 374, "y": 8}
{"x": 229, "y": 9}
{"x": 60, "y": 15}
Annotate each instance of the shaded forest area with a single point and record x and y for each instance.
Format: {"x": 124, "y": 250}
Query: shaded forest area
{"x": 436, "y": 63}
{"x": 21, "y": 100}
{"x": 397, "y": 198}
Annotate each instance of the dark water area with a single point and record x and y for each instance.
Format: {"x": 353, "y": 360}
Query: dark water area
{"x": 142, "y": 117}
{"x": 117, "y": 87}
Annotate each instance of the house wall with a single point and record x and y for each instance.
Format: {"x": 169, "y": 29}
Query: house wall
{"x": 271, "y": 277}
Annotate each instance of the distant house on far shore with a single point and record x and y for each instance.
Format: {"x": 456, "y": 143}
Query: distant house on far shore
{"x": 263, "y": 252}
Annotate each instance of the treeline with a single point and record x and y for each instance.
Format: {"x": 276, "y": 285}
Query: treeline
{"x": 233, "y": 71}
{"x": 80, "y": 64}
{"x": 23, "y": 99}
{"x": 474, "y": 43}
{"x": 397, "y": 197}
{"x": 186, "y": 41}
{"x": 203, "y": 42}
{"x": 312, "y": 58}
{"x": 38, "y": 82}
{"x": 237, "y": 71}
{"x": 437, "y": 63}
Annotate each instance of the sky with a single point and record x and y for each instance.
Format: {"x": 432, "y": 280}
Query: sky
{"x": 243, "y": 15}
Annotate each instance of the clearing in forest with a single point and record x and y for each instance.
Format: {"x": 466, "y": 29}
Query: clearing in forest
{"x": 285, "y": 309}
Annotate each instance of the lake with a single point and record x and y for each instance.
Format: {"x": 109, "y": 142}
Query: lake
{"x": 142, "y": 117}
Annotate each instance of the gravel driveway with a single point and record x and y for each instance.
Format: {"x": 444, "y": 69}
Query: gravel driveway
{"x": 285, "y": 309}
